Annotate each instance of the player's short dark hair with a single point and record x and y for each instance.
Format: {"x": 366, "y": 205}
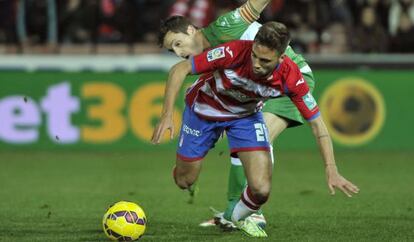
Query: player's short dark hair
{"x": 176, "y": 24}
{"x": 273, "y": 35}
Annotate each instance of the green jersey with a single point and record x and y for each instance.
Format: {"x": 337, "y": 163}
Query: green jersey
{"x": 232, "y": 26}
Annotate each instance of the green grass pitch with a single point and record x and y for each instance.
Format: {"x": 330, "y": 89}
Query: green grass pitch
{"x": 46, "y": 196}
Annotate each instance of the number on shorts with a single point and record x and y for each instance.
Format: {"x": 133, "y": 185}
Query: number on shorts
{"x": 261, "y": 134}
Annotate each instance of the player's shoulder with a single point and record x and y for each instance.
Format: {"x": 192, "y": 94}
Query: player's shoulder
{"x": 290, "y": 73}
{"x": 233, "y": 51}
{"x": 288, "y": 67}
{"x": 240, "y": 45}
{"x": 288, "y": 62}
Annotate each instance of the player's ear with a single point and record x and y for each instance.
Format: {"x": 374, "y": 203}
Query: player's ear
{"x": 281, "y": 58}
{"x": 191, "y": 29}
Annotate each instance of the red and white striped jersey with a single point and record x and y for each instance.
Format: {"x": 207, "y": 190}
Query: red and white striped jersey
{"x": 230, "y": 90}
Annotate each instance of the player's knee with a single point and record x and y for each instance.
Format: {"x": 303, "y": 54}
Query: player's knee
{"x": 261, "y": 196}
{"x": 261, "y": 192}
{"x": 183, "y": 182}
{"x": 185, "y": 175}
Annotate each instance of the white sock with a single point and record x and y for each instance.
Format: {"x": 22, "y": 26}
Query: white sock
{"x": 272, "y": 157}
{"x": 244, "y": 207}
{"x": 241, "y": 211}
{"x": 236, "y": 161}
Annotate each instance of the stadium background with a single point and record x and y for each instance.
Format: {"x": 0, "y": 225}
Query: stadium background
{"x": 82, "y": 86}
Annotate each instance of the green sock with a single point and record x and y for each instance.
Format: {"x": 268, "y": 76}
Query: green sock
{"x": 237, "y": 182}
{"x": 229, "y": 210}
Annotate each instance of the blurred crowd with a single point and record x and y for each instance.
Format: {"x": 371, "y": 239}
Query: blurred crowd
{"x": 317, "y": 26}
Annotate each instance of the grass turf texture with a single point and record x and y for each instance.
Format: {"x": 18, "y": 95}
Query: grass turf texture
{"x": 62, "y": 196}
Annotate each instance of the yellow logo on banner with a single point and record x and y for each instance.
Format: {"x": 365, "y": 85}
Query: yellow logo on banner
{"x": 109, "y": 114}
{"x": 353, "y": 110}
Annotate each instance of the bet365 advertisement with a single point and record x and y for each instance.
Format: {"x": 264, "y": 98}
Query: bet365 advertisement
{"x": 118, "y": 110}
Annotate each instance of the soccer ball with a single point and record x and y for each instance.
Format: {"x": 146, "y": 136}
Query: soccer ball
{"x": 124, "y": 221}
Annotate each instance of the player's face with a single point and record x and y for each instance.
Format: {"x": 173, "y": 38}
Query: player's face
{"x": 264, "y": 60}
{"x": 183, "y": 45}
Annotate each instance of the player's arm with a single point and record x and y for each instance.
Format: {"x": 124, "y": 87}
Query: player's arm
{"x": 235, "y": 24}
{"x": 175, "y": 81}
{"x": 305, "y": 102}
{"x": 221, "y": 57}
{"x": 256, "y": 7}
{"x": 335, "y": 180}
{"x": 250, "y": 11}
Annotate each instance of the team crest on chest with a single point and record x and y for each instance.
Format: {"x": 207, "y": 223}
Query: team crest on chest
{"x": 215, "y": 54}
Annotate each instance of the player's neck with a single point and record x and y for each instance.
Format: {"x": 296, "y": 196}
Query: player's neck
{"x": 204, "y": 40}
{"x": 266, "y": 76}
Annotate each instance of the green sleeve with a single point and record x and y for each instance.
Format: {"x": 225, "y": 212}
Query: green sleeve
{"x": 227, "y": 27}
{"x": 231, "y": 26}
{"x": 298, "y": 59}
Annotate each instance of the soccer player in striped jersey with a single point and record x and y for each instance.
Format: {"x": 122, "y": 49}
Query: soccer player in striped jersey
{"x": 178, "y": 35}
{"x": 245, "y": 74}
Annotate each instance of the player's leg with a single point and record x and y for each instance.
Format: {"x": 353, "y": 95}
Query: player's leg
{"x": 275, "y": 125}
{"x": 236, "y": 183}
{"x": 197, "y": 137}
{"x": 249, "y": 135}
{"x": 237, "y": 179}
{"x": 186, "y": 173}
{"x": 258, "y": 169}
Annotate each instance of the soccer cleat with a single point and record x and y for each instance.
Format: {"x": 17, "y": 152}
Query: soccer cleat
{"x": 250, "y": 228}
{"x": 218, "y": 220}
{"x": 208, "y": 223}
{"x": 223, "y": 223}
{"x": 258, "y": 219}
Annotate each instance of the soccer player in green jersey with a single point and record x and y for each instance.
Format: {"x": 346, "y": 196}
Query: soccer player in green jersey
{"x": 178, "y": 35}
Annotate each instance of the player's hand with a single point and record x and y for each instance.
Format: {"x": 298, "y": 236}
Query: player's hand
{"x": 165, "y": 123}
{"x": 335, "y": 180}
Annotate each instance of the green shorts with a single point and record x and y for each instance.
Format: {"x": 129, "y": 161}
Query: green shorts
{"x": 284, "y": 107}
